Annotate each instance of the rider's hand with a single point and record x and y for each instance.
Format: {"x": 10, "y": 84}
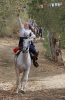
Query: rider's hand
{"x": 18, "y": 15}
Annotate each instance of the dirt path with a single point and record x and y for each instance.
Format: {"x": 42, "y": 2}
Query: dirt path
{"x": 47, "y": 82}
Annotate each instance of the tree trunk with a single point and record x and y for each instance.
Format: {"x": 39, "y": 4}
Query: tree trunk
{"x": 55, "y": 50}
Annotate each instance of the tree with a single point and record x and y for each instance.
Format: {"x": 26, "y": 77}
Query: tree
{"x": 8, "y": 11}
{"x": 53, "y": 18}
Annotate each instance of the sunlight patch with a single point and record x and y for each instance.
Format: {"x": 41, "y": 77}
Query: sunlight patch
{"x": 57, "y": 81}
{"x": 51, "y": 82}
{"x": 6, "y": 86}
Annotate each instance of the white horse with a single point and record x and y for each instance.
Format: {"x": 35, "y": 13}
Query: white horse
{"x": 22, "y": 65}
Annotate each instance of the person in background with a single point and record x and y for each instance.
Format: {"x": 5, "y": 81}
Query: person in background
{"x": 35, "y": 24}
{"x": 30, "y": 22}
{"x": 24, "y": 30}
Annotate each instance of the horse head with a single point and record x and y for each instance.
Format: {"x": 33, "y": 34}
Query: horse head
{"x": 26, "y": 44}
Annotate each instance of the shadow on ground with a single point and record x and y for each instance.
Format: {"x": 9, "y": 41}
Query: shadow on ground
{"x": 53, "y": 94}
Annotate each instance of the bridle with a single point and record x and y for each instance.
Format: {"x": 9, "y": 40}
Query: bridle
{"x": 24, "y": 49}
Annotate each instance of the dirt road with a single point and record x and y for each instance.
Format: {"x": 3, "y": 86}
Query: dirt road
{"x": 47, "y": 82}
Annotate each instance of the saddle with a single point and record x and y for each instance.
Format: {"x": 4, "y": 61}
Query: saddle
{"x": 17, "y": 50}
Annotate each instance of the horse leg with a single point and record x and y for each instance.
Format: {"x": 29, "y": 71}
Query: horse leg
{"x": 24, "y": 81}
{"x": 17, "y": 80}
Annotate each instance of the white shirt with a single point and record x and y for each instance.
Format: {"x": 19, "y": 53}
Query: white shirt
{"x": 23, "y": 31}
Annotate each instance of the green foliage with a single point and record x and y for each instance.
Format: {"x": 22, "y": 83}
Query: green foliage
{"x": 52, "y": 18}
{"x": 8, "y": 15}
{"x": 62, "y": 39}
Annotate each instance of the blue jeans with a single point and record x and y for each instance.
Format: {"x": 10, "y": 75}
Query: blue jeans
{"x": 32, "y": 48}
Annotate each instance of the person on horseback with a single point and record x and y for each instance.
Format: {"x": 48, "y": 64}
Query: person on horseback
{"x": 24, "y": 30}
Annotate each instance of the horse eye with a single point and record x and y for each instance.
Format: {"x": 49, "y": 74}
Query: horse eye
{"x": 29, "y": 42}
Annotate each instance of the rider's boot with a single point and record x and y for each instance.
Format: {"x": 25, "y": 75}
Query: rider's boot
{"x": 35, "y": 63}
{"x": 36, "y": 55}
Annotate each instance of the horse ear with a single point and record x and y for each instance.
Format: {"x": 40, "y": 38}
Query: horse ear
{"x": 30, "y": 34}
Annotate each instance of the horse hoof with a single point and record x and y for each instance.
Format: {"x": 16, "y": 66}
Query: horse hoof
{"x": 16, "y": 92}
{"x": 22, "y": 92}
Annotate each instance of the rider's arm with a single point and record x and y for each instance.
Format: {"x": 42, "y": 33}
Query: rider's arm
{"x": 33, "y": 35}
{"x": 19, "y": 21}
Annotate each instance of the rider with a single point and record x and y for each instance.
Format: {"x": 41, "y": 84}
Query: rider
{"x": 24, "y": 30}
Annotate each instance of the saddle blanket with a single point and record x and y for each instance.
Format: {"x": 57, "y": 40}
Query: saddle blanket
{"x": 16, "y": 49}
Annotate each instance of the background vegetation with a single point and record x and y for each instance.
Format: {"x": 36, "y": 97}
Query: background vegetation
{"x": 52, "y": 18}
{"x": 8, "y": 16}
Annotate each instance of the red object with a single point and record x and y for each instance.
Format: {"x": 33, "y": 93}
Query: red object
{"x": 60, "y": 3}
{"x": 19, "y": 7}
{"x": 47, "y": 5}
{"x": 32, "y": 30}
{"x": 16, "y": 49}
